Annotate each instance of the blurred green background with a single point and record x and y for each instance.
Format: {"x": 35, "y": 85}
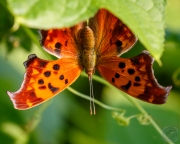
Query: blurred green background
{"x": 65, "y": 119}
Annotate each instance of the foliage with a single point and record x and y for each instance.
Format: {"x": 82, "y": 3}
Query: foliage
{"x": 66, "y": 118}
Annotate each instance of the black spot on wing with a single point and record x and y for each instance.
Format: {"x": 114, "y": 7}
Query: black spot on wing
{"x": 122, "y": 65}
{"x": 127, "y": 86}
{"x": 40, "y": 81}
{"x": 56, "y": 67}
{"x": 137, "y": 79}
{"x": 58, "y": 45}
{"x": 131, "y": 71}
{"x": 61, "y": 77}
{"x": 47, "y": 73}
{"x": 66, "y": 81}
{"x": 52, "y": 88}
{"x": 117, "y": 75}
{"x": 118, "y": 43}
{"x": 42, "y": 87}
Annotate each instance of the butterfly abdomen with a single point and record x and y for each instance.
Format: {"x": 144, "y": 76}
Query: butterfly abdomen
{"x": 88, "y": 54}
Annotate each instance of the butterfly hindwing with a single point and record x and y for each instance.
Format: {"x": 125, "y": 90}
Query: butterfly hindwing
{"x": 43, "y": 80}
{"x": 135, "y": 77}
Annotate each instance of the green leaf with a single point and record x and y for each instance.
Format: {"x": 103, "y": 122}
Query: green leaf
{"x": 52, "y": 13}
{"x": 144, "y": 18}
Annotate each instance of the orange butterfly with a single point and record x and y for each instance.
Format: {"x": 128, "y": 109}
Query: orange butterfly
{"x": 96, "y": 45}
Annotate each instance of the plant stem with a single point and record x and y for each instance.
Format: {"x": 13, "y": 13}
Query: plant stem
{"x": 96, "y": 101}
{"x": 136, "y": 104}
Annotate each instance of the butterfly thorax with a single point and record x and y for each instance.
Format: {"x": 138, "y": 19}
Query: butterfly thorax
{"x": 88, "y": 53}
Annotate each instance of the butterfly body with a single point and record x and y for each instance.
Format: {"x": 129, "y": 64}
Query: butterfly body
{"x": 97, "y": 45}
{"x": 88, "y": 54}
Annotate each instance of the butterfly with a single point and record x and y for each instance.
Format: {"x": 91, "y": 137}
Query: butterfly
{"x": 97, "y": 44}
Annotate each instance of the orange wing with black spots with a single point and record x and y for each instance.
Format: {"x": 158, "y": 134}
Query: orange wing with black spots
{"x": 97, "y": 44}
{"x": 43, "y": 80}
{"x": 113, "y": 37}
{"x": 135, "y": 77}
{"x": 62, "y": 42}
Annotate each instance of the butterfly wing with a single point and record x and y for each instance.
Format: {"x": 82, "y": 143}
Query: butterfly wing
{"x": 61, "y": 42}
{"x": 43, "y": 80}
{"x": 111, "y": 35}
{"x": 135, "y": 77}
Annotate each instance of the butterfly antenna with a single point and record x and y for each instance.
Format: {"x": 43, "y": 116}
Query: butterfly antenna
{"x": 91, "y": 96}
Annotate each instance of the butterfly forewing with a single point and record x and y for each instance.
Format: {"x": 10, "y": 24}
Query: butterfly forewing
{"x": 62, "y": 42}
{"x": 134, "y": 76}
{"x": 112, "y": 36}
{"x": 43, "y": 80}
